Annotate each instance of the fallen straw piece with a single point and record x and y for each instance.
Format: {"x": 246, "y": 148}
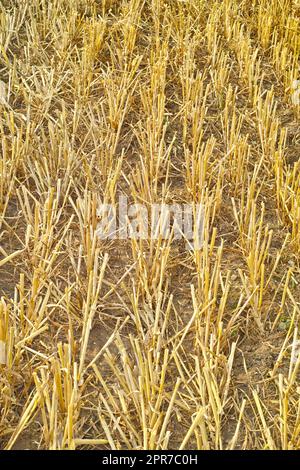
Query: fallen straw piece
{"x": 90, "y": 442}
{"x": 10, "y": 257}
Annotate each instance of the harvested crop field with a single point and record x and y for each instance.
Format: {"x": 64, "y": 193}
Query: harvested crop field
{"x": 123, "y": 330}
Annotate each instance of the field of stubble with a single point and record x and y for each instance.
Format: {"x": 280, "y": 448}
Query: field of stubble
{"x": 143, "y": 343}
